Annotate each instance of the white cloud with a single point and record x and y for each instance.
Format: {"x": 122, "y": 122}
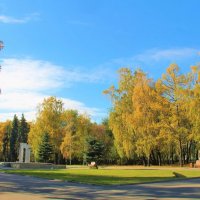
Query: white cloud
{"x": 31, "y": 75}
{"x": 166, "y": 54}
{"x": 12, "y": 20}
{"x": 82, "y": 108}
{"x": 38, "y": 75}
{"x": 26, "y": 82}
{"x": 9, "y": 115}
{"x": 153, "y": 56}
{"x": 19, "y": 103}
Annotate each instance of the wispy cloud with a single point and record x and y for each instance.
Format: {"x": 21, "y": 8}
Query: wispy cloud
{"x": 155, "y": 55}
{"x": 93, "y": 112}
{"x": 13, "y": 20}
{"x": 20, "y": 102}
{"x": 29, "y": 74}
{"x": 167, "y": 54}
{"x": 38, "y": 75}
{"x": 9, "y": 115}
{"x": 26, "y": 82}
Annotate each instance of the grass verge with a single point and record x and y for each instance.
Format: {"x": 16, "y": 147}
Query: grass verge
{"x": 110, "y": 176}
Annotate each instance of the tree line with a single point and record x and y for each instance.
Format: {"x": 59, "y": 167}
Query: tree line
{"x": 150, "y": 122}
{"x": 12, "y": 133}
{"x": 71, "y": 135}
{"x": 156, "y": 122}
{"x": 59, "y": 136}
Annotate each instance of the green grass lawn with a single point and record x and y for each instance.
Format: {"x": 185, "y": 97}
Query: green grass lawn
{"x": 111, "y": 176}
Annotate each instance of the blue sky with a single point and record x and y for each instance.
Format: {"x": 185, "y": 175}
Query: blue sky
{"x": 72, "y": 49}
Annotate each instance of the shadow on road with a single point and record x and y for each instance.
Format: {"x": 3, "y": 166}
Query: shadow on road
{"x": 52, "y": 189}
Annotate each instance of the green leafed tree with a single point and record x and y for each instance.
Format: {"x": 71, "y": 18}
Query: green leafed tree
{"x": 14, "y": 146}
{"x": 95, "y": 151}
{"x": 45, "y": 150}
{"x": 23, "y": 130}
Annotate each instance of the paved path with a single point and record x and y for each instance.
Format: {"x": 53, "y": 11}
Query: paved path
{"x": 16, "y": 187}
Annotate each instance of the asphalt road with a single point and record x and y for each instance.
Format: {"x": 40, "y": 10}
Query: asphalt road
{"x": 16, "y": 187}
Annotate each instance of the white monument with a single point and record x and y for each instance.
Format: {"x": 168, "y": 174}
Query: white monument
{"x": 24, "y": 153}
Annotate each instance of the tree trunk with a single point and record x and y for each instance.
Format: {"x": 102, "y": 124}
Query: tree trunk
{"x": 154, "y": 158}
{"x": 144, "y": 161}
{"x": 171, "y": 155}
{"x": 70, "y": 159}
{"x": 148, "y": 161}
{"x": 181, "y": 154}
{"x": 159, "y": 158}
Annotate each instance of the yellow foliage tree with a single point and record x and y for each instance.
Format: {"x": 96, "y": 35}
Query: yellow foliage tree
{"x": 76, "y": 132}
{"x": 174, "y": 85}
{"x": 148, "y": 107}
{"x": 50, "y": 119}
{"x": 119, "y": 117}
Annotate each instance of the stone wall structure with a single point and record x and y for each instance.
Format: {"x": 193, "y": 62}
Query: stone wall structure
{"x": 24, "y": 153}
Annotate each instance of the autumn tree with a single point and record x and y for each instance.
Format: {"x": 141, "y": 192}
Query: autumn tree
{"x": 76, "y": 132}
{"x": 68, "y": 146}
{"x": 2, "y": 133}
{"x": 34, "y": 137}
{"x": 83, "y": 132}
{"x": 151, "y": 118}
{"x": 5, "y": 132}
{"x": 50, "y": 120}
{"x": 145, "y": 120}
{"x": 119, "y": 116}
{"x": 191, "y": 105}
{"x": 102, "y": 133}
{"x": 174, "y": 84}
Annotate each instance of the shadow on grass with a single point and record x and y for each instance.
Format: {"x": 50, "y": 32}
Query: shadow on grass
{"x": 61, "y": 190}
{"x": 178, "y": 175}
{"x": 96, "y": 179}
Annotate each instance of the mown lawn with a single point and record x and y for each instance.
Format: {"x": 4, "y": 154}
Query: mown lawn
{"x": 111, "y": 176}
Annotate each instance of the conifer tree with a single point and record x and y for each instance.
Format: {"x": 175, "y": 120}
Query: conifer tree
{"x": 45, "y": 150}
{"x": 14, "y": 146}
{"x": 23, "y": 130}
{"x": 95, "y": 151}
